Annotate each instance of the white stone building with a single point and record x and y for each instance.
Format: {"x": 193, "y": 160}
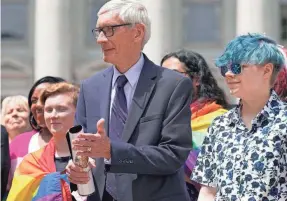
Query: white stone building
{"x": 53, "y": 37}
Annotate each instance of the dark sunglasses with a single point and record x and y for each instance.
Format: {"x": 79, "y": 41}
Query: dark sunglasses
{"x": 234, "y": 68}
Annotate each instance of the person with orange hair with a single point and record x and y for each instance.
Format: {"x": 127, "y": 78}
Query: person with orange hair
{"x": 41, "y": 174}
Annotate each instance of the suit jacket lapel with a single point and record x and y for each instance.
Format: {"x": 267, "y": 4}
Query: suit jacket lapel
{"x": 105, "y": 93}
{"x": 142, "y": 94}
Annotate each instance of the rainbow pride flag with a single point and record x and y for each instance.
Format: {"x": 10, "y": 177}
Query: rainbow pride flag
{"x": 36, "y": 178}
{"x": 200, "y": 121}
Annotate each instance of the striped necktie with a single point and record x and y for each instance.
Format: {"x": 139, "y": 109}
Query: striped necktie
{"x": 118, "y": 119}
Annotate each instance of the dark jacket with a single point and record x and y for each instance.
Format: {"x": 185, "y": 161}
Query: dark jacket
{"x": 156, "y": 140}
{"x": 5, "y": 160}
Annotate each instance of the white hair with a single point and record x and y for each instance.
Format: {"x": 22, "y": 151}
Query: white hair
{"x": 130, "y": 11}
{"x": 22, "y": 101}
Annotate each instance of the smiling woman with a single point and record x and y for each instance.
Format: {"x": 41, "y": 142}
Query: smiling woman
{"x": 248, "y": 62}
{"x": 15, "y": 113}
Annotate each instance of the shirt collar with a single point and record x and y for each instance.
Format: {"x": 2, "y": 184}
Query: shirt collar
{"x": 132, "y": 74}
{"x": 269, "y": 111}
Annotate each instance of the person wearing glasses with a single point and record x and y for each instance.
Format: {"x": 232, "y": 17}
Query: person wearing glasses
{"x": 138, "y": 128}
{"x": 208, "y": 102}
{"x": 244, "y": 155}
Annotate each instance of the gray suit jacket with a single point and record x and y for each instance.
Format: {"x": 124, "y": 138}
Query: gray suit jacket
{"x": 148, "y": 162}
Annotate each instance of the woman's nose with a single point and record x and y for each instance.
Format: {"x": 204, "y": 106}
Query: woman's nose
{"x": 39, "y": 108}
{"x": 14, "y": 113}
{"x": 229, "y": 74}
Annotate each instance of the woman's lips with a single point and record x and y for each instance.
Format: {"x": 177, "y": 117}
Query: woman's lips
{"x": 16, "y": 122}
{"x": 233, "y": 82}
{"x": 55, "y": 123}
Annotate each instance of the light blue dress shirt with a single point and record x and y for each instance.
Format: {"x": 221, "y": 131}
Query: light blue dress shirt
{"x": 132, "y": 76}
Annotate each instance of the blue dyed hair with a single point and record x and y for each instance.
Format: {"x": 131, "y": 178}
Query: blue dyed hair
{"x": 253, "y": 49}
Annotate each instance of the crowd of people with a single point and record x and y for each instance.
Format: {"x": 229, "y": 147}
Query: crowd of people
{"x": 159, "y": 132}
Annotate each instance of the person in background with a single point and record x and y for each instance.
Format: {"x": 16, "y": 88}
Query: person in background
{"x": 5, "y": 161}
{"x": 15, "y": 114}
{"x": 40, "y": 174}
{"x": 243, "y": 157}
{"x": 40, "y": 135}
{"x": 280, "y": 85}
{"x": 208, "y": 102}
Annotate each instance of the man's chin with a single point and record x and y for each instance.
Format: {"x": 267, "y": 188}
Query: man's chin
{"x": 107, "y": 58}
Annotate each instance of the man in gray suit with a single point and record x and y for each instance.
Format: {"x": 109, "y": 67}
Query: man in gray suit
{"x": 135, "y": 115}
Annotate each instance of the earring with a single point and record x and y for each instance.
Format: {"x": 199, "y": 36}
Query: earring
{"x": 34, "y": 123}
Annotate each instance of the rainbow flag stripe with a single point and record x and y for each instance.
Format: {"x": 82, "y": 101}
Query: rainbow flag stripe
{"x": 36, "y": 178}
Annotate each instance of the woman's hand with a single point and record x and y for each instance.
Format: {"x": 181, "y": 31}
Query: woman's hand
{"x": 207, "y": 193}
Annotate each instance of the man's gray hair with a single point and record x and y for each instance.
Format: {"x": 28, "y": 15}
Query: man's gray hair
{"x": 130, "y": 11}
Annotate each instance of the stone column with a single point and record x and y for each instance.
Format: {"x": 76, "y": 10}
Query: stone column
{"x": 261, "y": 16}
{"x": 166, "y": 28}
{"x": 52, "y": 39}
{"x": 228, "y": 21}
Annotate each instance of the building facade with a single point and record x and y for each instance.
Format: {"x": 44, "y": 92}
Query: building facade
{"x": 53, "y": 37}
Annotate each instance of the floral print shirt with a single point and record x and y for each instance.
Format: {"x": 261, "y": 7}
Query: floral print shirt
{"x": 243, "y": 164}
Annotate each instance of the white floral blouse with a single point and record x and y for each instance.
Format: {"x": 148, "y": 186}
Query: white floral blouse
{"x": 243, "y": 164}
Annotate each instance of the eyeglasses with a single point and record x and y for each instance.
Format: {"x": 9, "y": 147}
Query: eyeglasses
{"x": 108, "y": 31}
{"x": 236, "y": 69}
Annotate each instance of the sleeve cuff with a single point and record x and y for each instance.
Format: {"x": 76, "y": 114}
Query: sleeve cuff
{"x": 107, "y": 162}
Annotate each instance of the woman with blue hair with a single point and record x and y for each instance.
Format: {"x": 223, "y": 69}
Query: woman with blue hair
{"x": 244, "y": 155}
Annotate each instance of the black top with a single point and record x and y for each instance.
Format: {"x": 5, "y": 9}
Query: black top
{"x": 5, "y": 160}
{"x": 61, "y": 163}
